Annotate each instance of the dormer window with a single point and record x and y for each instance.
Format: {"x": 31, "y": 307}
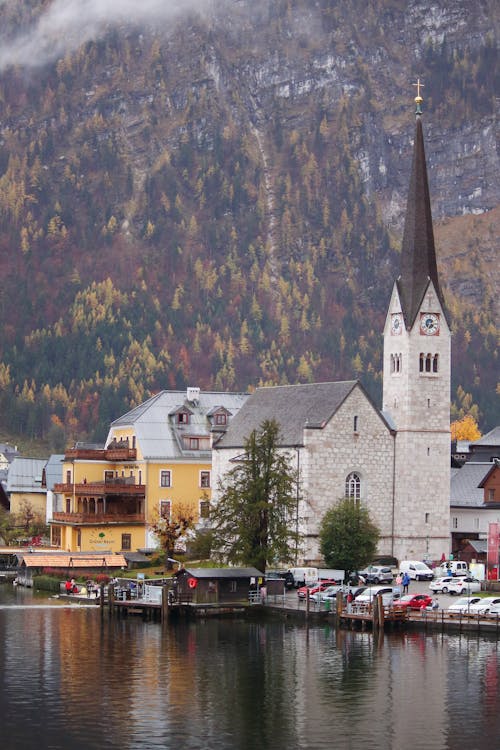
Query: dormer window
{"x": 220, "y": 418}
{"x": 194, "y": 444}
{"x": 183, "y": 417}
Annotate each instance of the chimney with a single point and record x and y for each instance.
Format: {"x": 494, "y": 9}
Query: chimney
{"x": 193, "y": 394}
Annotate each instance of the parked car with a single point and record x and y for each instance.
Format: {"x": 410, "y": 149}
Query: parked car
{"x": 415, "y": 601}
{"x": 389, "y": 595}
{"x": 377, "y": 574}
{"x": 457, "y": 568}
{"x": 462, "y": 605}
{"x": 314, "y": 588}
{"x": 441, "y": 585}
{"x": 418, "y": 571}
{"x": 464, "y": 585}
{"x": 483, "y": 606}
{"x": 329, "y": 593}
{"x": 494, "y": 610}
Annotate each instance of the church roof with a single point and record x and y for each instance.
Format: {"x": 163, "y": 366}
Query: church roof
{"x": 293, "y": 407}
{"x": 418, "y": 255}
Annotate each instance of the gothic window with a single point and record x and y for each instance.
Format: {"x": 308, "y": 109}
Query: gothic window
{"x": 353, "y": 486}
{"x": 396, "y": 363}
{"x": 428, "y": 363}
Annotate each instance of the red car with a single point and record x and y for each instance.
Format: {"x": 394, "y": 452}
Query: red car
{"x": 314, "y": 588}
{"x": 415, "y": 601}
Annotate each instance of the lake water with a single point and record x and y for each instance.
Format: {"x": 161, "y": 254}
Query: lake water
{"x": 72, "y": 679}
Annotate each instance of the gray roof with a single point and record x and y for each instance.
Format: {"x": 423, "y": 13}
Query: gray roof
{"x": 222, "y": 572}
{"x": 153, "y": 426}
{"x": 54, "y": 470}
{"x": 464, "y": 490}
{"x": 491, "y": 438}
{"x": 294, "y": 407}
{"x": 25, "y": 475}
{"x": 480, "y": 545}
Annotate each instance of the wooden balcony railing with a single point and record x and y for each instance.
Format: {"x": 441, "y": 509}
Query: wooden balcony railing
{"x": 101, "y": 454}
{"x": 101, "y": 489}
{"x": 99, "y": 518}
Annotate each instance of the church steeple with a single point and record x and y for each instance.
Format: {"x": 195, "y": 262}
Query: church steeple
{"x": 418, "y": 256}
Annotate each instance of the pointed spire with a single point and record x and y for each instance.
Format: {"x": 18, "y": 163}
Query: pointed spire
{"x": 418, "y": 255}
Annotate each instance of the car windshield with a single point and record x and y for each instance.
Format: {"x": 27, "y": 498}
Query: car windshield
{"x": 420, "y": 566}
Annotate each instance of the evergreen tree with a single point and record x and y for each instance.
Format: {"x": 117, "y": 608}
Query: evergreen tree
{"x": 254, "y": 521}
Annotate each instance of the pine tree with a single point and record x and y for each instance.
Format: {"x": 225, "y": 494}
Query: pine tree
{"x": 254, "y": 520}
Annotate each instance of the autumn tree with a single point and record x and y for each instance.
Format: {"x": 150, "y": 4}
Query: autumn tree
{"x": 348, "y": 537}
{"x": 465, "y": 429}
{"x": 254, "y": 520}
{"x": 169, "y": 530}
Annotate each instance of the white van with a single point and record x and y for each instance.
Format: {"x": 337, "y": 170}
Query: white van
{"x": 418, "y": 571}
{"x": 457, "y": 567}
{"x": 304, "y": 576}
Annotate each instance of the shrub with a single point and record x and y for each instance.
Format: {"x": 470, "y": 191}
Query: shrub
{"x": 47, "y": 583}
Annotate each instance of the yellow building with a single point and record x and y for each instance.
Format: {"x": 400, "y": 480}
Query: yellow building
{"x": 156, "y": 462}
{"x": 25, "y": 487}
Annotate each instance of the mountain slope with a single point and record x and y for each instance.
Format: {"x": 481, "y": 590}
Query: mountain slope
{"x": 217, "y": 199}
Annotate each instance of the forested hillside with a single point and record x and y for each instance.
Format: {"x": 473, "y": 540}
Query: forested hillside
{"x": 215, "y": 198}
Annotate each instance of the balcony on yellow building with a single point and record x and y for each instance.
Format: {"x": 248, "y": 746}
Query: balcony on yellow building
{"x": 116, "y": 500}
{"x": 114, "y": 452}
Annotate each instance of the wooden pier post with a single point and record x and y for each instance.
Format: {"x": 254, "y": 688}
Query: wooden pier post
{"x": 165, "y": 606}
{"x": 111, "y": 597}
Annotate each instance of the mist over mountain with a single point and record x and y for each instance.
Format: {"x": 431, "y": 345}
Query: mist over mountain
{"x": 212, "y": 193}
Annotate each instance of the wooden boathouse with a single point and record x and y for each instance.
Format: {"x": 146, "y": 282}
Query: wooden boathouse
{"x": 190, "y": 592}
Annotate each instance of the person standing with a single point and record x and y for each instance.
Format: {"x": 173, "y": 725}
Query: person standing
{"x": 405, "y": 582}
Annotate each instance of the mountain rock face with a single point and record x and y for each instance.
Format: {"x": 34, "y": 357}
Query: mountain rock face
{"x": 214, "y": 195}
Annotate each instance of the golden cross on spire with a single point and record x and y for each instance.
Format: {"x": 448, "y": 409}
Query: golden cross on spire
{"x": 418, "y": 98}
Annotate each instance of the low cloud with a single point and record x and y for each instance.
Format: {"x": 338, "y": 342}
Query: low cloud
{"x": 67, "y": 24}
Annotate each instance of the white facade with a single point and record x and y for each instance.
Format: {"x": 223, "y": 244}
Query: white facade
{"x": 416, "y": 394}
{"x": 356, "y": 443}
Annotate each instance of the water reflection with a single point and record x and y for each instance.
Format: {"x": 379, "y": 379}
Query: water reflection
{"x": 72, "y": 679}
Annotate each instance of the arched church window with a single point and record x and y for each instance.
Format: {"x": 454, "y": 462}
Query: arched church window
{"x": 428, "y": 363}
{"x": 435, "y": 363}
{"x": 422, "y": 359}
{"x": 353, "y": 486}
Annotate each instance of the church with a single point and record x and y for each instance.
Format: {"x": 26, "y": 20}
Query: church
{"x": 395, "y": 460}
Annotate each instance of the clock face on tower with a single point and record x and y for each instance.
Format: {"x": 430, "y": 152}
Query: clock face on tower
{"x": 396, "y": 324}
{"x": 429, "y": 324}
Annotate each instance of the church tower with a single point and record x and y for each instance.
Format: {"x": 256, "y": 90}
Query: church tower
{"x": 416, "y": 380}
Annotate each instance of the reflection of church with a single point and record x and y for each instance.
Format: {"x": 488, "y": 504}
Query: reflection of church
{"x": 395, "y": 461}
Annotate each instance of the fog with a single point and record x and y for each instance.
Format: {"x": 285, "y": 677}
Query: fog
{"x": 66, "y": 24}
